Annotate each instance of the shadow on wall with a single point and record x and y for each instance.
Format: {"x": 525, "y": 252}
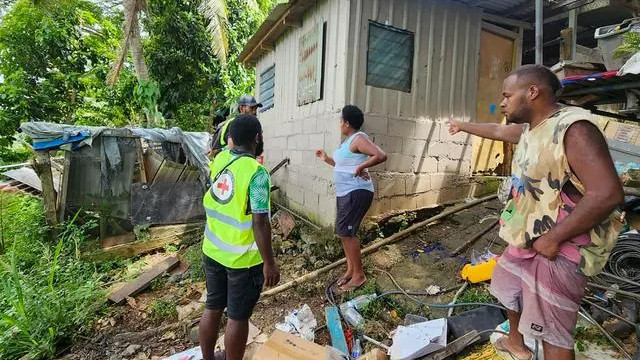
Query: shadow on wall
{"x": 426, "y": 165}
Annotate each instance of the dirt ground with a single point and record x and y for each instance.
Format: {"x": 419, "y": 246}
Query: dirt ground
{"x": 142, "y": 329}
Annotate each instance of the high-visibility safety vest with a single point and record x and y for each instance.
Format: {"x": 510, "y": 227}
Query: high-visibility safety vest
{"x": 228, "y": 234}
{"x": 224, "y": 131}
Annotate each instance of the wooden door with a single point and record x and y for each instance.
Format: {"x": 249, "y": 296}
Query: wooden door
{"x": 496, "y": 62}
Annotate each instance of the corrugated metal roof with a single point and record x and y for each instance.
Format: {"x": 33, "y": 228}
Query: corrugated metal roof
{"x": 290, "y": 14}
{"x": 287, "y": 15}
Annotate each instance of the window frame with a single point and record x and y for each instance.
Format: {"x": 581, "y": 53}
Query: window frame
{"x": 379, "y": 25}
{"x": 260, "y": 78}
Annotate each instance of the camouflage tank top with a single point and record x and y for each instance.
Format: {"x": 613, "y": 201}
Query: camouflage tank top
{"x": 539, "y": 171}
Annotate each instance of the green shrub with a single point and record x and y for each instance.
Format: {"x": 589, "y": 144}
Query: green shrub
{"x": 630, "y": 45}
{"x": 161, "y": 310}
{"x": 47, "y": 294}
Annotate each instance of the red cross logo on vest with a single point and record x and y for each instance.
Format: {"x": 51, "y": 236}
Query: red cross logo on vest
{"x": 222, "y": 188}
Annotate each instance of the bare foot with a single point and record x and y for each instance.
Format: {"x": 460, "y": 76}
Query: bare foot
{"x": 354, "y": 283}
{"x": 345, "y": 277}
{"x": 519, "y": 351}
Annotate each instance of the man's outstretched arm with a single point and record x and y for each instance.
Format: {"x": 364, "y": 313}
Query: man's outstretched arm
{"x": 508, "y": 133}
{"x": 590, "y": 160}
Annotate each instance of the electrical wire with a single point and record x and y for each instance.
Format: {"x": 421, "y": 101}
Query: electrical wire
{"x": 437, "y": 306}
{"x": 623, "y": 267}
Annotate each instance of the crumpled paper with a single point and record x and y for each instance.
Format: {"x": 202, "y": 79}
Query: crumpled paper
{"x": 300, "y": 322}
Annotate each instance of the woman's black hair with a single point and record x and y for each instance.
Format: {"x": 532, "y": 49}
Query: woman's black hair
{"x": 353, "y": 116}
{"x": 244, "y": 129}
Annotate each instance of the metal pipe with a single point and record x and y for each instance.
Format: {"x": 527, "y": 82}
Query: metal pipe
{"x": 299, "y": 217}
{"x": 282, "y": 163}
{"x": 11, "y": 166}
{"x": 610, "y": 312}
{"x": 621, "y": 292}
{"x": 630, "y": 282}
{"x": 375, "y": 342}
{"x": 539, "y": 25}
{"x": 586, "y": 315}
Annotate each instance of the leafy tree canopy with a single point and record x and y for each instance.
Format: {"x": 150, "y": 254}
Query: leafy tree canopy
{"x": 53, "y": 62}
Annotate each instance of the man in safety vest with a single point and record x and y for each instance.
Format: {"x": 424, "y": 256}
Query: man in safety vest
{"x": 246, "y": 104}
{"x": 238, "y": 258}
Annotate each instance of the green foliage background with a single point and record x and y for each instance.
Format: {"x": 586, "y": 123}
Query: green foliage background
{"x": 55, "y": 56}
{"x": 54, "y": 61}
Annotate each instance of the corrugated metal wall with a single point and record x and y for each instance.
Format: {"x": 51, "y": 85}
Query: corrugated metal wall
{"x": 447, "y": 37}
{"x": 336, "y": 14}
{"x": 296, "y": 131}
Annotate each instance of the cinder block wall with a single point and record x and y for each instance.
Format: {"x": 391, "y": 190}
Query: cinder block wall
{"x": 425, "y": 166}
{"x": 296, "y": 132}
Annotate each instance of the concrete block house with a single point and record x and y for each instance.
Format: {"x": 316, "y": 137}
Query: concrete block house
{"x": 410, "y": 65}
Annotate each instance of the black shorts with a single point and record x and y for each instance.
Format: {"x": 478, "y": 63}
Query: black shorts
{"x": 351, "y": 210}
{"x": 238, "y": 290}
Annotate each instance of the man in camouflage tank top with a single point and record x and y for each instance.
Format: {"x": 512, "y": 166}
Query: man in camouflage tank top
{"x": 558, "y": 218}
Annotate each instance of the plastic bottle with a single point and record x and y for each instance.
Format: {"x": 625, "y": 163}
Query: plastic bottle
{"x": 352, "y": 316}
{"x": 359, "y": 302}
{"x": 356, "y": 350}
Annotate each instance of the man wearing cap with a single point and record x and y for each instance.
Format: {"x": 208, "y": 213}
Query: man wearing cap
{"x": 246, "y": 104}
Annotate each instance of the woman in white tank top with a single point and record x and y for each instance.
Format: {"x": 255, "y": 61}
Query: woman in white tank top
{"x": 354, "y": 189}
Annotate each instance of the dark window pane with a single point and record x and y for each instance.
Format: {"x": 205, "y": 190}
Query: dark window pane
{"x": 267, "y": 86}
{"x": 389, "y": 57}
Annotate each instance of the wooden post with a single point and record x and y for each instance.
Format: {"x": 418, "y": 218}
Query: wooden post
{"x": 566, "y": 44}
{"x": 64, "y": 185}
{"x": 43, "y": 169}
{"x": 140, "y": 157}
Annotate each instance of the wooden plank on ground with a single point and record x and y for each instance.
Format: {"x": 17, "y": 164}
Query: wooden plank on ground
{"x": 335, "y": 329}
{"x": 118, "y": 240}
{"x": 159, "y": 237}
{"x": 142, "y": 281}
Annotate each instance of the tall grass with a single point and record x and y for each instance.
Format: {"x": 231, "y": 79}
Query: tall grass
{"x": 47, "y": 295}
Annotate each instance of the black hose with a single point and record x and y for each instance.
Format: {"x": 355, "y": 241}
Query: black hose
{"x": 448, "y": 306}
{"x": 623, "y": 267}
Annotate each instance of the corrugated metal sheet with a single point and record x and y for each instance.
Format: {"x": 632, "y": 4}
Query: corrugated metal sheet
{"x": 285, "y": 58}
{"x": 509, "y": 8}
{"x": 445, "y": 65}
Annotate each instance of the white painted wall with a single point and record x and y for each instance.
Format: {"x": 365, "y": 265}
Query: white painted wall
{"x": 426, "y": 165}
{"x": 297, "y": 131}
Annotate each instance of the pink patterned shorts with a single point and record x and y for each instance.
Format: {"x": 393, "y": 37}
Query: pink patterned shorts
{"x": 547, "y": 294}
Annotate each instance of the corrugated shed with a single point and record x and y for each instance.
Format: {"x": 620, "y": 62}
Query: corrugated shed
{"x": 446, "y": 57}
{"x": 285, "y": 57}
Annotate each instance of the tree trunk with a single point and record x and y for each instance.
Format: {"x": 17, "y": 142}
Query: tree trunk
{"x": 132, "y": 9}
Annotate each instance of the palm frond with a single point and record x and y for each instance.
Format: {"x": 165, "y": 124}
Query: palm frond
{"x": 215, "y": 11}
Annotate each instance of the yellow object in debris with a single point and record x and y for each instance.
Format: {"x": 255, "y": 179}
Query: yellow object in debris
{"x": 478, "y": 273}
{"x": 487, "y": 352}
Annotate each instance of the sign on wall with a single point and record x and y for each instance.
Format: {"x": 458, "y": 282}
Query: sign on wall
{"x": 310, "y": 58}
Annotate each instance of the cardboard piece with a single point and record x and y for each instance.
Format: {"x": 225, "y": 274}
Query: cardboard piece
{"x": 283, "y": 346}
{"x": 255, "y": 339}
